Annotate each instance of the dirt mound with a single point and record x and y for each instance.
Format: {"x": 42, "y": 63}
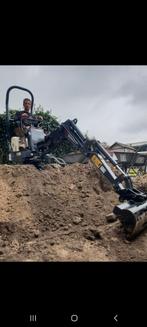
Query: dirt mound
{"x": 60, "y": 214}
{"x": 140, "y": 182}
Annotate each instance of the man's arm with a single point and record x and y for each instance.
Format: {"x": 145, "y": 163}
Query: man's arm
{"x": 18, "y": 115}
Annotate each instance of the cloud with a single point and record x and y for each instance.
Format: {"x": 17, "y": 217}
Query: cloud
{"x": 32, "y": 72}
{"x": 135, "y": 86}
{"x": 110, "y": 102}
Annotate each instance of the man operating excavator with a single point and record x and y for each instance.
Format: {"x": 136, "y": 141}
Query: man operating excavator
{"x": 22, "y": 126}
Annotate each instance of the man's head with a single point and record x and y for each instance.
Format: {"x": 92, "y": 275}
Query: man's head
{"x": 27, "y": 104}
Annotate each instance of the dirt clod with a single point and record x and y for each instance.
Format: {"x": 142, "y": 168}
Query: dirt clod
{"x": 77, "y": 220}
{"x": 111, "y": 218}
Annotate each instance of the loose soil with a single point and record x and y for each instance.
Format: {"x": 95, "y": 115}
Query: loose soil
{"x": 59, "y": 214}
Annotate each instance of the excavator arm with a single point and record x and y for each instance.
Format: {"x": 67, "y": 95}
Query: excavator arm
{"x": 132, "y": 210}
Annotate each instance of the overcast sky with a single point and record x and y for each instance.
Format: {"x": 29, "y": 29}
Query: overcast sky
{"x": 110, "y": 102}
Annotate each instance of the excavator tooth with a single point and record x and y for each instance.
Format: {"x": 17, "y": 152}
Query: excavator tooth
{"x": 133, "y": 218}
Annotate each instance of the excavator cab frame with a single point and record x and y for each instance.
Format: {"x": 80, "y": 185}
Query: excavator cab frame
{"x": 8, "y": 119}
{"x": 31, "y": 154}
{"x": 14, "y": 156}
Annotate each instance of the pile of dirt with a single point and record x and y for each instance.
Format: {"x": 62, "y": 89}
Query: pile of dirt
{"x": 59, "y": 214}
{"x": 140, "y": 182}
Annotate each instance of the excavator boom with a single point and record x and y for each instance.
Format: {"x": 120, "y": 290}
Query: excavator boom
{"x": 132, "y": 211}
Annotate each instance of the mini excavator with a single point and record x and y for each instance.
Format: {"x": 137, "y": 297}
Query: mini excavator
{"x": 132, "y": 208}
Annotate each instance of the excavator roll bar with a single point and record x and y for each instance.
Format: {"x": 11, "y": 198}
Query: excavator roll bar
{"x": 8, "y": 94}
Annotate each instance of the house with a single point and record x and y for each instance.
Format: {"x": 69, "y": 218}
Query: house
{"x": 128, "y": 156}
{"x": 74, "y": 157}
{"x": 121, "y": 147}
{"x": 123, "y": 152}
{"x": 139, "y": 146}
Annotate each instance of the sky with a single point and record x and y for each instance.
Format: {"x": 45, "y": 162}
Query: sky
{"x": 110, "y": 102}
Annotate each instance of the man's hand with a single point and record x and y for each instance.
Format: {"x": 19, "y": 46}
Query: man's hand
{"x": 24, "y": 116}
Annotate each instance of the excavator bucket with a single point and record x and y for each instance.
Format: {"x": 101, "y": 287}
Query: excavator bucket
{"x": 133, "y": 218}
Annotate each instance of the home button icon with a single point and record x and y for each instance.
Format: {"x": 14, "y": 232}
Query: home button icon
{"x": 74, "y": 317}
